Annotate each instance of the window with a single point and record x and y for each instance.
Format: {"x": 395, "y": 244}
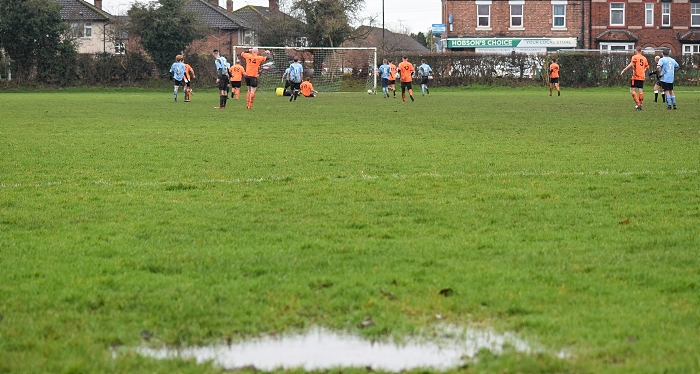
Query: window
{"x": 249, "y": 38}
{"x": 119, "y": 48}
{"x": 648, "y": 14}
{"x": 484, "y": 15}
{"x": 616, "y": 47}
{"x": 516, "y": 15}
{"x": 559, "y": 14}
{"x": 691, "y": 49}
{"x": 617, "y": 14}
{"x": 665, "y": 14}
{"x": 695, "y": 15}
{"x": 81, "y": 30}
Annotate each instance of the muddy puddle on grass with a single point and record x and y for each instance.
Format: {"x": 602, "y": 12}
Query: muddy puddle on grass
{"x": 319, "y": 349}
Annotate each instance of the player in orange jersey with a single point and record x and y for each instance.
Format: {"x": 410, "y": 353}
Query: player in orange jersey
{"x": 639, "y": 66}
{"x": 554, "y": 77}
{"x": 307, "y": 89}
{"x": 236, "y": 72}
{"x": 406, "y": 70}
{"x": 189, "y": 75}
{"x": 252, "y": 66}
{"x": 392, "y": 77}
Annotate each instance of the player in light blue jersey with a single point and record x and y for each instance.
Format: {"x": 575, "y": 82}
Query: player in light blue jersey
{"x": 177, "y": 72}
{"x": 667, "y": 74}
{"x": 384, "y": 73}
{"x": 424, "y": 71}
{"x": 222, "y": 79}
{"x": 296, "y": 75}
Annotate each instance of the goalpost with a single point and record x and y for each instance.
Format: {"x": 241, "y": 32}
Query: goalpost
{"x": 330, "y": 69}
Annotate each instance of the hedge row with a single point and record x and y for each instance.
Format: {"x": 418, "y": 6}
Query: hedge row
{"x": 577, "y": 69}
{"x": 453, "y": 69}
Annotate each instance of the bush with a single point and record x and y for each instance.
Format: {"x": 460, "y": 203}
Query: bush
{"x": 577, "y": 69}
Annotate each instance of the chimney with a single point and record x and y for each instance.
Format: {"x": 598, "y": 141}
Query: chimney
{"x": 229, "y": 5}
{"x": 98, "y": 4}
{"x": 216, "y": 2}
{"x": 274, "y": 6}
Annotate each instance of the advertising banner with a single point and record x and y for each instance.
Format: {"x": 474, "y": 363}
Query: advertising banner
{"x": 511, "y": 43}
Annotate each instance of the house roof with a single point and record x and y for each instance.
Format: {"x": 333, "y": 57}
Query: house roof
{"x": 617, "y": 36}
{"x": 217, "y": 17}
{"x": 393, "y": 42}
{"x": 79, "y": 10}
{"x": 256, "y": 16}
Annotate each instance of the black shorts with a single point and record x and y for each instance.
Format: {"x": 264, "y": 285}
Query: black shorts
{"x": 385, "y": 82}
{"x": 666, "y": 86}
{"x": 554, "y": 80}
{"x": 251, "y": 81}
{"x": 637, "y": 84}
{"x": 295, "y": 86}
{"x": 392, "y": 82}
{"x": 178, "y": 83}
{"x": 187, "y": 83}
{"x": 424, "y": 80}
{"x": 408, "y": 85}
{"x": 223, "y": 83}
{"x": 235, "y": 84}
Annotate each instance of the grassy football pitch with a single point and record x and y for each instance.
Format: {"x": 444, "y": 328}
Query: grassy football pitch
{"x": 573, "y": 221}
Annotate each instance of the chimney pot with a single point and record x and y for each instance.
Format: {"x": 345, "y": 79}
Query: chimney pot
{"x": 229, "y": 5}
{"x": 274, "y": 6}
{"x": 98, "y": 4}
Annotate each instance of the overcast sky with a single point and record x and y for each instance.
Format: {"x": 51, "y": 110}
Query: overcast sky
{"x": 399, "y": 15}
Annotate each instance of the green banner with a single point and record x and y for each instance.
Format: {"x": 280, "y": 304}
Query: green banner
{"x": 566, "y": 42}
{"x": 483, "y": 43}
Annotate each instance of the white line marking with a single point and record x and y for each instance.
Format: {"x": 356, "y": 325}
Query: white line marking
{"x": 359, "y": 176}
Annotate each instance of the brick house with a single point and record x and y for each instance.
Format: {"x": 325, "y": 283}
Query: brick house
{"x": 651, "y": 24}
{"x": 90, "y": 25}
{"x": 528, "y": 26}
{"x": 225, "y": 28}
{"x": 538, "y": 26}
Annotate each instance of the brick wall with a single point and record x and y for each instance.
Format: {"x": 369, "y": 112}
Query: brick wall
{"x": 537, "y": 20}
{"x": 654, "y": 36}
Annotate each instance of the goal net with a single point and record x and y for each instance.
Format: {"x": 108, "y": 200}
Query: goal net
{"x": 330, "y": 69}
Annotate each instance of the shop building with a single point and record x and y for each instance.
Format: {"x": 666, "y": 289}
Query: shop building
{"x": 528, "y": 26}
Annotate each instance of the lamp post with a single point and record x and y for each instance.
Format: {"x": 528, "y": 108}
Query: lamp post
{"x": 383, "y": 28}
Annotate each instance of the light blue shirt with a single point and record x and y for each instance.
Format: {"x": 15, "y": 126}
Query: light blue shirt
{"x": 384, "y": 71}
{"x": 667, "y": 69}
{"x": 295, "y": 73}
{"x": 424, "y": 70}
{"x": 287, "y": 71}
{"x": 222, "y": 66}
{"x": 178, "y": 70}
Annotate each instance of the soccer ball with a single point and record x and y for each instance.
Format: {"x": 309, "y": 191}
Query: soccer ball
{"x": 369, "y": 92}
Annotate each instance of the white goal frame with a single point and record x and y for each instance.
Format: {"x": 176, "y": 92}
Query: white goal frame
{"x": 289, "y": 51}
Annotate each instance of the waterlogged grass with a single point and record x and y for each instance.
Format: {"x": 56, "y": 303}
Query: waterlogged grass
{"x": 571, "y": 221}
